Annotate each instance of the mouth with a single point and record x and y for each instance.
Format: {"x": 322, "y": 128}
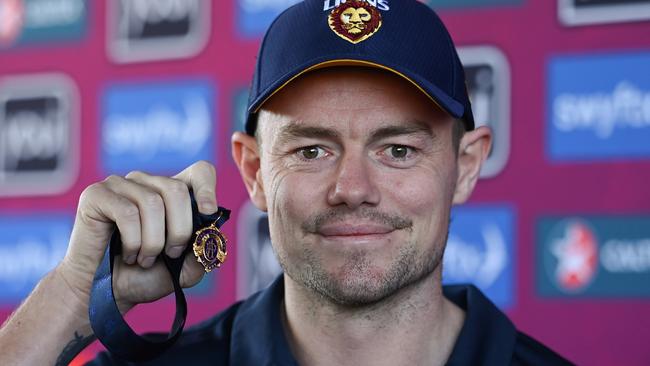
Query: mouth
{"x": 355, "y": 231}
{"x": 366, "y": 226}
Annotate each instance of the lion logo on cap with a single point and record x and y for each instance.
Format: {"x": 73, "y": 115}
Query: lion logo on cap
{"x": 355, "y": 21}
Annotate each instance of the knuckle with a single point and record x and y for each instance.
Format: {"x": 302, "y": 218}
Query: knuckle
{"x": 178, "y": 235}
{"x": 205, "y": 165}
{"x": 128, "y": 211}
{"x": 135, "y": 174}
{"x": 150, "y": 247}
{"x": 130, "y": 244}
{"x": 153, "y": 201}
{"x": 87, "y": 200}
{"x": 89, "y": 192}
{"x": 177, "y": 187}
{"x": 113, "y": 179}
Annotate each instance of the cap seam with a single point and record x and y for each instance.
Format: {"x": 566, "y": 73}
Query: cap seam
{"x": 454, "y": 75}
{"x": 450, "y": 44}
{"x": 452, "y": 47}
{"x": 263, "y": 46}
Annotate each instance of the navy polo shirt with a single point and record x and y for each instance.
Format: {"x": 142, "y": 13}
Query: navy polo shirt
{"x": 251, "y": 333}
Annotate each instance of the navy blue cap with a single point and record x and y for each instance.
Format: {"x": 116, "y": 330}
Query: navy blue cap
{"x": 404, "y": 37}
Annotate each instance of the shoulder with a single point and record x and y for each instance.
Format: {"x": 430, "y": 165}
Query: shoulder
{"x": 529, "y": 351}
{"x": 205, "y": 343}
{"x": 488, "y": 337}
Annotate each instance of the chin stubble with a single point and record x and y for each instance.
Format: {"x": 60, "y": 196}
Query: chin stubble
{"x": 359, "y": 287}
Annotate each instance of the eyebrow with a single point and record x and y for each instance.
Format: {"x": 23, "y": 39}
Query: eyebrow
{"x": 409, "y": 128}
{"x": 295, "y": 130}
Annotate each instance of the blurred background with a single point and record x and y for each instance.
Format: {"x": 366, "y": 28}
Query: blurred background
{"x": 557, "y": 233}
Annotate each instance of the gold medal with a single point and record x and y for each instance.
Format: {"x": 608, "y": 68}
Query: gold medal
{"x": 210, "y": 247}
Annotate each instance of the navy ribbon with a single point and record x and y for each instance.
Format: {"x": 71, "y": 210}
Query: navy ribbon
{"x": 105, "y": 318}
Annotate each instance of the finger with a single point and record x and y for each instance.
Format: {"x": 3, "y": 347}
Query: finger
{"x": 134, "y": 285}
{"x": 202, "y": 178}
{"x": 152, "y": 217}
{"x": 178, "y": 209}
{"x": 192, "y": 272}
{"x": 98, "y": 207}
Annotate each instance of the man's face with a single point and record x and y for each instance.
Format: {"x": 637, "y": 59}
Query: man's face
{"x": 359, "y": 172}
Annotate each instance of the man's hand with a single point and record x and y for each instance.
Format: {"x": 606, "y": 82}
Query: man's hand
{"x": 153, "y": 214}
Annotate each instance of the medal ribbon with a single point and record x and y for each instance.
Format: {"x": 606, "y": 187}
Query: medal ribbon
{"x": 105, "y": 318}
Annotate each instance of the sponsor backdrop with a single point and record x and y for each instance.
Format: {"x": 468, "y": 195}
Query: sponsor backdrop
{"x": 557, "y": 233}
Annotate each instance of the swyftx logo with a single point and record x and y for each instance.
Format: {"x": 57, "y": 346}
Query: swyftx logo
{"x": 160, "y": 127}
{"x": 480, "y": 250}
{"x": 38, "y": 134}
{"x": 29, "y": 251}
{"x": 599, "y": 107}
{"x": 143, "y": 30}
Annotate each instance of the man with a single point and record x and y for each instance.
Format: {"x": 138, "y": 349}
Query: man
{"x": 360, "y": 138}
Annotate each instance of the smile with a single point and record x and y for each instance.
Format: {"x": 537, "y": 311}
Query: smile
{"x": 355, "y": 232}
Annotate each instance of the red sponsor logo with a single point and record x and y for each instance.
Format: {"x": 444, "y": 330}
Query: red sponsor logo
{"x": 12, "y": 16}
{"x": 577, "y": 257}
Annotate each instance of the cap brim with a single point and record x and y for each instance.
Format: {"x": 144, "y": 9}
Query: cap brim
{"x": 442, "y": 100}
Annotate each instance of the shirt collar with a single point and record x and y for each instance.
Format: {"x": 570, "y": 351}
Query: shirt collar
{"x": 258, "y": 336}
{"x": 486, "y": 338}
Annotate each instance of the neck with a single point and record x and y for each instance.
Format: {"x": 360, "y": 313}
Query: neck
{"x": 417, "y": 324}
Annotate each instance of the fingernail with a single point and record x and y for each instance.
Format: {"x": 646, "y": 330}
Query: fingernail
{"x": 175, "y": 252}
{"x": 147, "y": 262}
{"x": 131, "y": 259}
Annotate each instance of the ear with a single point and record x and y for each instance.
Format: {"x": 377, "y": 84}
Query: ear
{"x": 473, "y": 149}
{"x": 245, "y": 152}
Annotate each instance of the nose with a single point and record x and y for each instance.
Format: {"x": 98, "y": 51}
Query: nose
{"x": 353, "y": 185}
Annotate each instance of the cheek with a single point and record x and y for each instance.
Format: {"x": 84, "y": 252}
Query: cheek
{"x": 291, "y": 198}
{"x": 419, "y": 191}
{"x": 424, "y": 195}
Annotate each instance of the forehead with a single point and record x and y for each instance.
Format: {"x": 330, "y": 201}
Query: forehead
{"x": 352, "y": 100}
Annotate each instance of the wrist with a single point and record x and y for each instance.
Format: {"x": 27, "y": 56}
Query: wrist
{"x": 75, "y": 294}
{"x": 78, "y": 284}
